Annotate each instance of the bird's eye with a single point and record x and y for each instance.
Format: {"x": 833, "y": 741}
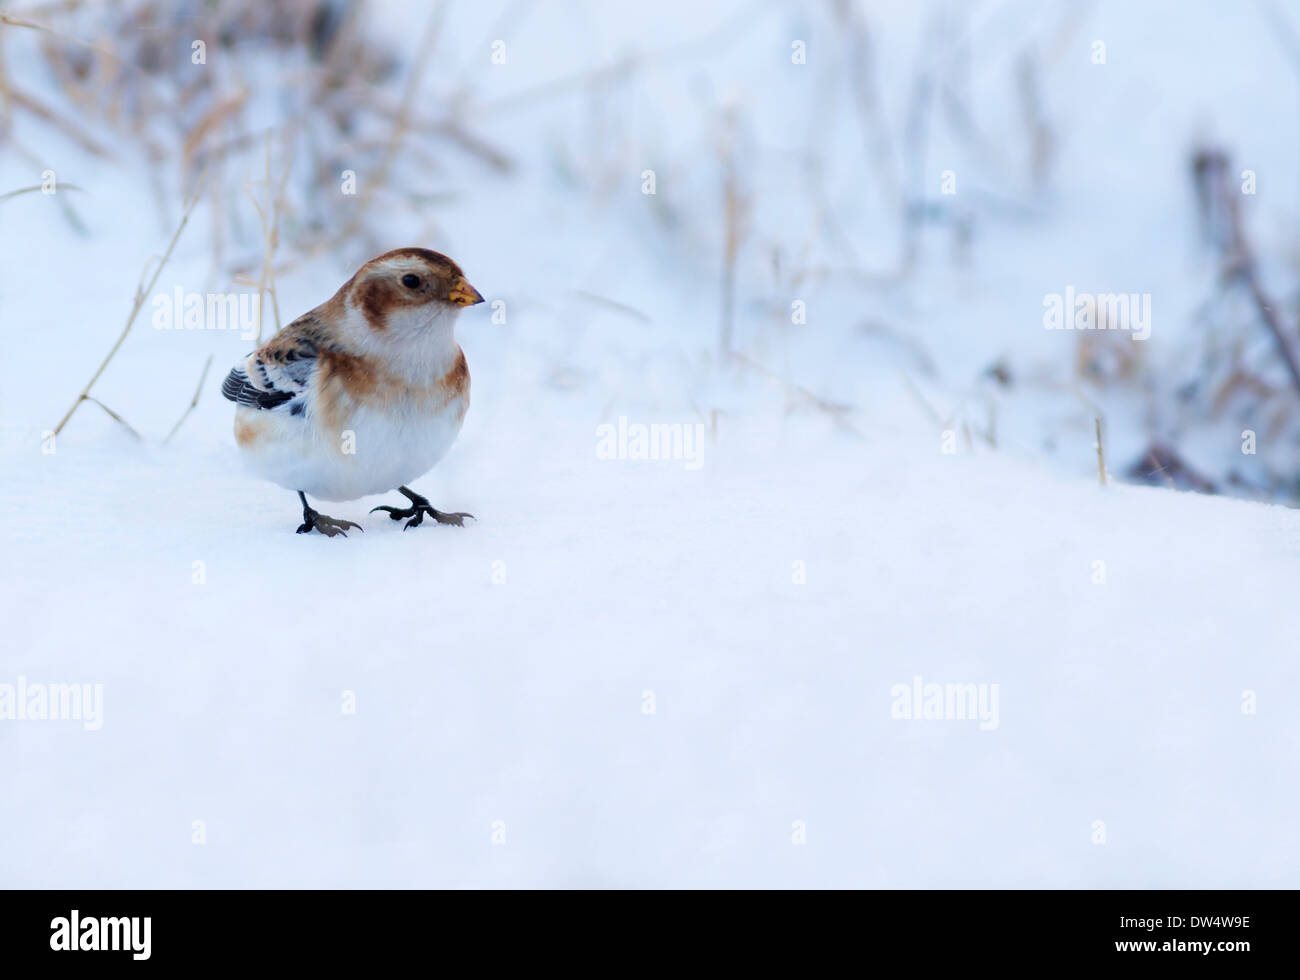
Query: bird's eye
{"x": 410, "y": 281}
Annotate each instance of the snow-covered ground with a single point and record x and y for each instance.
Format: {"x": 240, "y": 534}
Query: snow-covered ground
{"x": 504, "y": 672}
{"x": 660, "y": 672}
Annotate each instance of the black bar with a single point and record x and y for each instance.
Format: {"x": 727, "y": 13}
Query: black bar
{"x": 375, "y": 928}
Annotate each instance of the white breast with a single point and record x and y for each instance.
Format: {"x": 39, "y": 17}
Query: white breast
{"x": 370, "y": 452}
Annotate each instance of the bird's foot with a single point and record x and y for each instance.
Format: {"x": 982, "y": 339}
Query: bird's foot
{"x": 418, "y": 509}
{"x": 329, "y": 526}
{"x": 417, "y": 512}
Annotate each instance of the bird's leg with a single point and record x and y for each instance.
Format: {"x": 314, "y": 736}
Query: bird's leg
{"x": 327, "y": 526}
{"x": 419, "y": 507}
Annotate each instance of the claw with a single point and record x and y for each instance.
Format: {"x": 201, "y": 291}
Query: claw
{"x": 314, "y": 520}
{"x": 457, "y": 519}
{"x": 328, "y": 526}
{"x": 417, "y": 511}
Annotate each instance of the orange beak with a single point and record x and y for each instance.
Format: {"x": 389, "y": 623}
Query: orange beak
{"x": 463, "y": 294}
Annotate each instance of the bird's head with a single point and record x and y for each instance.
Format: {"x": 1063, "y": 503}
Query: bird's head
{"x": 407, "y": 290}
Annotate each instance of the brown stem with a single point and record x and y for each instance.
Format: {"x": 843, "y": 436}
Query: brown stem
{"x": 135, "y": 310}
{"x": 193, "y": 401}
{"x": 1243, "y": 259}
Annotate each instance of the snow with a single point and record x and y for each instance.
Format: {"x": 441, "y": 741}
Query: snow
{"x": 523, "y": 701}
{"x": 639, "y": 673}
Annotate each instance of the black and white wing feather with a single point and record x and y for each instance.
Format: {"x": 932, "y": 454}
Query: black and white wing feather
{"x": 276, "y": 375}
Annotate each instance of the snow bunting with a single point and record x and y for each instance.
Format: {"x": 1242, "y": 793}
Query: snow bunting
{"x": 364, "y": 393}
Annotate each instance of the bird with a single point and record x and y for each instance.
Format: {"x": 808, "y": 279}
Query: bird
{"x": 362, "y": 395}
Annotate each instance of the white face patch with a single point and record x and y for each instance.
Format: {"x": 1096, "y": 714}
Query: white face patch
{"x": 418, "y": 343}
{"x": 409, "y": 322}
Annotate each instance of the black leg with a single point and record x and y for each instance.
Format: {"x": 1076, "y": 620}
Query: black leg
{"x": 420, "y": 506}
{"x": 328, "y": 526}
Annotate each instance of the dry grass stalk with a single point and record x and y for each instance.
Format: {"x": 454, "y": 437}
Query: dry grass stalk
{"x": 140, "y": 296}
{"x": 6, "y": 98}
{"x": 1242, "y": 259}
{"x": 114, "y": 416}
{"x": 34, "y": 188}
{"x": 268, "y": 213}
{"x": 797, "y": 394}
{"x": 402, "y": 124}
{"x": 1101, "y": 453}
{"x": 726, "y": 34}
{"x": 43, "y": 112}
{"x": 194, "y": 402}
{"x": 737, "y": 205}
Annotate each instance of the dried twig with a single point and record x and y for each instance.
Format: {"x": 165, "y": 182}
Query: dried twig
{"x": 6, "y": 98}
{"x": 867, "y": 100}
{"x": 428, "y": 41}
{"x": 1244, "y": 266}
{"x": 194, "y": 402}
{"x": 1163, "y": 463}
{"x": 1268, "y": 313}
{"x": 268, "y": 213}
{"x": 403, "y": 123}
{"x": 740, "y": 23}
{"x": 34, "y": 188}
{"x": 140, "y": 296}
{"x": 735, "y": 206}
{"x": 838, "y": 411}
{"x": 43, "y": 112}
{"x": 1101, "y": 453}
{"x": 612, "y": 304}
{"x": 111, "y": 414}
